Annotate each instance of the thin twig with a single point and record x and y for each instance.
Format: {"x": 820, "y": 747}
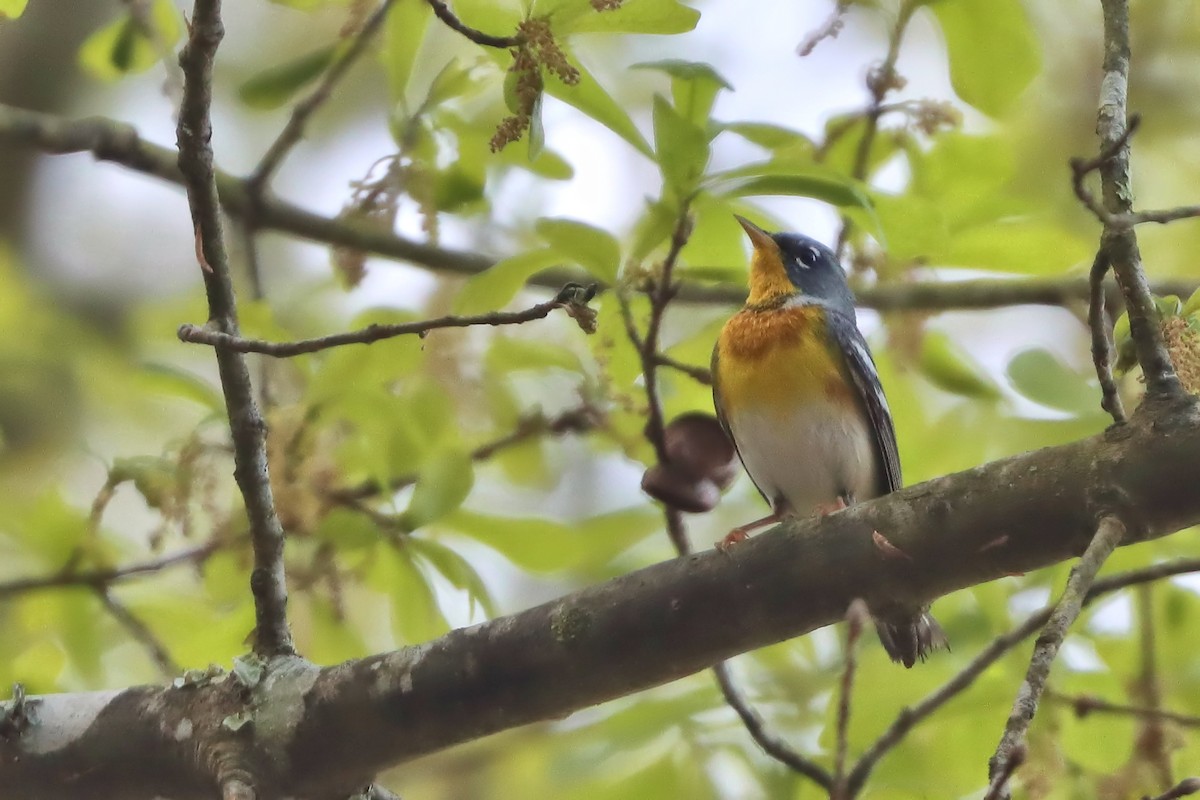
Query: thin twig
{"x": 581, "y": 419}
{"x": 293, "y": 131}
{"x": 116, "y": 142}
{"x": 881, "y": 79}
{"x": 1098, "y": 321}
{"x": 572, "y": 297}
{"x": 699, "y": 374}
{"x": 444, "y": 13}
{"x": 101, "y": 578}
{"x": 1151, "y": 741}
{"x": 911, "y": 715}
{"x": 1085, "y": 704}
{"x": 268, "y": 582}
{"x": 1109, "y": 533}
{"x": 771, "y": 744}
{"x": 857, "y": 617}
{"x": 1182, "y": 789}
{"x": 1121, "y": 242}
{"x": 140, "y": 631}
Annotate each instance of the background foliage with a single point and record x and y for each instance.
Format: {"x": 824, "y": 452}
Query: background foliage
{"x": 433, "y": 482}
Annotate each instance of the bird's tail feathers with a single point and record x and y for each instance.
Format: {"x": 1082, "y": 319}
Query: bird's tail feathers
{"x": 910, "y": 640}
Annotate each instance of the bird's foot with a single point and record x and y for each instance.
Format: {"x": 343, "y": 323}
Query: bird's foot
{"x": 825, "y": 509}
{"x": 742, "y": 532}
{"x": 733, "y": 537}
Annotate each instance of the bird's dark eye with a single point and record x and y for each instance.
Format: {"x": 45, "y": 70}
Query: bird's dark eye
{"x": 809, "y": 256}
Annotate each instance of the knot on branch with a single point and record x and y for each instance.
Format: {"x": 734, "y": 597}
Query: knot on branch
{"x": 573, "y": 299}
{"x": 15, "y": 718}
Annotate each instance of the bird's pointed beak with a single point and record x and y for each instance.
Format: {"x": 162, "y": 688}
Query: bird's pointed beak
{"x": 758, "y": 237}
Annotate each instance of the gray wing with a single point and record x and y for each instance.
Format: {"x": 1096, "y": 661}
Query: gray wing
{"x": 861, "y": 367}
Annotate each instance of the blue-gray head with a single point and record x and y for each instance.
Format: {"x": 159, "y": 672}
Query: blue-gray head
{"x": 791, "y": 263}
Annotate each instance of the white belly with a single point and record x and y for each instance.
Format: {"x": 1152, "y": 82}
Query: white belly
{"x": 808, "y": 458}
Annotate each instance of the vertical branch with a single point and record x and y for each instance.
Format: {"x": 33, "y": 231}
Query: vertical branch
{"x": 1152, "y": 735}
{"x": 1120, "y": 241}
{"x": 1109, "y": 533}
{"x": 857, "y": 617}
{"x": 267, "y": 581}
{"x": 1099, "y": 323}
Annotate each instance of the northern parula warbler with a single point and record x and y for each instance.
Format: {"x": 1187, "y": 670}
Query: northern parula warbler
{"x": 796, "y": 389}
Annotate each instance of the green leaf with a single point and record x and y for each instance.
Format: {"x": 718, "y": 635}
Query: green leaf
{"x": 632, "y": 16}
{"x": 275, "y": 86}
{"x": 544, "y": 545}
{"x": 1192, "y": 305}
{"x": 415, "y": 613}
{"x": 993, "y": 55}
{"x": 776, "y": 138}
{"x": 455, "y": 569}
{"x": 1016, "y": 245}
{"x": 123, "y": 47}
{"x": 403, "y": 32}
{"x": 681, "y": 148}
{"x": 496, "y": 286}
{"x": 820, "y": 185}
{"x": 592, "y": 248}
{"x": 445, "y": 481}
{"x": 590, "y": 97}
{"x": 1043, "y": 378}
{"x": 169, "y": 379}
{"x": 11, "y": 9}
{"x": 694, "y": 86}
{"x": 949, "y": 368}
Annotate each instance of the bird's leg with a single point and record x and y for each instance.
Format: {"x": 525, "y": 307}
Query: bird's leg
{"x": 742, "y": 532}
{"x": 825, "y": 509}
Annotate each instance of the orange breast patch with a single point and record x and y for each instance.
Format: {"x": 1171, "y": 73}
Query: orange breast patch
{"x": 777, "y": 359}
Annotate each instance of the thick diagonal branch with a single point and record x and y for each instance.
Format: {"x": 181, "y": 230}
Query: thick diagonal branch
{"x": 642, "y": 629}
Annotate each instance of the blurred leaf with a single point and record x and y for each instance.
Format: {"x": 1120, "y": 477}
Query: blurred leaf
{"x": 348, "y": 530}
{"x": 591, "y": 98}
{"x": 39, "y": 666}
{"x": 495, "y": 287}
{"x": 993, "y": 56}
{"x": 1025, "y": 246}
{"x": 944, "y": 363}
{"x": 1043, "y": 378}
{"x": 275, "y": 86}
{"x": 694, "y": 86}
{"x": 592, "y": 248}
{"x": 444, "y": 482}
{"x": 509, "y": 353}
{"x": 169, "y": 379}
{"x": 415, "y": 613}
{"x": 1192, "y": 305}
{"x": 403, "y": 33}
{"x": 457, "y": 570}
{"x": 817, "y": 184}
{"x": 632, "y": 16}
{"x": 123, "y": 47}
{"x": 681, "y": 148}
{"x": 544, "y": 545}
{"x": 11, "y": 9}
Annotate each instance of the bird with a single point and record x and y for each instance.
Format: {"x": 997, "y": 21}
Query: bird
{"x": 796, "y": 390}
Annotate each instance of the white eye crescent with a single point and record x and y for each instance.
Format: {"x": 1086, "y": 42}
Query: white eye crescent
{"x": 809, "y": 257}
